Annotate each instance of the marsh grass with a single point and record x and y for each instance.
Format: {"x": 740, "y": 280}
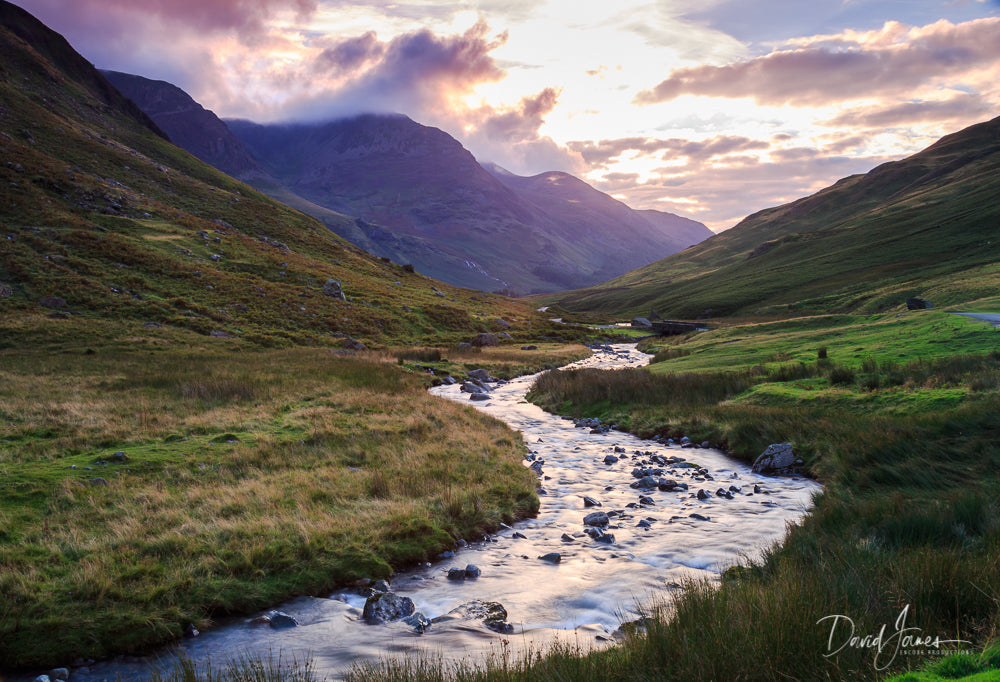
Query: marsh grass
{"x": 251, "y": 477}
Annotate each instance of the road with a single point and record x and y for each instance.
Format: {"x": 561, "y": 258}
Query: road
{"x": 992, "y": 318}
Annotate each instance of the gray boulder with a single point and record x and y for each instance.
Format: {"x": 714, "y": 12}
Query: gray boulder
{"x": 386, "y": 607}
{"x": 333, "y": 289}
{"x": 480, "y": 374}
{"x": 419, "y": 622}
{"x": 776, "y": 459}
{"x": 914, "y": 303}
{"x": 485, "y": 339}
{"x": 596, "y": 519}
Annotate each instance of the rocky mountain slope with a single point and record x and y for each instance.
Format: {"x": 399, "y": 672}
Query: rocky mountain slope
{"x": 110, "y": 229}
{"x": 926, "y": 226}
{"x": 412, "y": 193}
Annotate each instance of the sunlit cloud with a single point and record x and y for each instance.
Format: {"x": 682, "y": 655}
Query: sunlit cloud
{"x": 710, "y": 108}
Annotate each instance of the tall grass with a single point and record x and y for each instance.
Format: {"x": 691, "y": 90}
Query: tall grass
{"x": 250, "y": 478}
{"x": 909, "y": 515}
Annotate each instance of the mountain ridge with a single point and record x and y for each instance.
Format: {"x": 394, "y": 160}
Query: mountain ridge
{"x": 422, "y": 198}
{"x": 867, "y": 242}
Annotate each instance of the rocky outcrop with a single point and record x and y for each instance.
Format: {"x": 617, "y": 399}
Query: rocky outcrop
{"x": 778, "y": 458}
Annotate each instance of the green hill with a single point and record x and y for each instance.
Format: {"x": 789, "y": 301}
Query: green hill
{"x": 928, "y": 225}
{"x": 107, "y": 225}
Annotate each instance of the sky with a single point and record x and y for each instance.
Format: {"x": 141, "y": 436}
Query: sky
{"x": 712, "y": 109}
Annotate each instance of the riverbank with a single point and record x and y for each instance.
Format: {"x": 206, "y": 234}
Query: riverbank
{"x": 143, "y": 493}
{"x": 906, "y": 531}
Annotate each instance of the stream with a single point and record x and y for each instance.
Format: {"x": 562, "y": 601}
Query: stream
{"x": 581, "y": 600}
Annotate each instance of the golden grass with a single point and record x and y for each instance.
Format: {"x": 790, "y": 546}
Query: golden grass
{"x": 251, "y": 477}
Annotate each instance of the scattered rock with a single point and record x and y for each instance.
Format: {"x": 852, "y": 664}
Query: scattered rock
{"x": 699, "y": 517}
{"x": 352, "y": 344}
{"x": 485, "y": 340}
{"x": 590, "y": 502}
{"x": 456, "y": 574}
{"x": 98, "y": 481}
{"x": 492, "y": 614}
{"x": 596, "y": 519}
{"x": 529, "y": 347}
{"x": 281, "y": 621}
{"x": 472, "y": 572}
{"x": 479, "y": 396}
{"x": 333, "y": 289}
{"x": 566, "y": 537}
{"x": 419, "y": 622}
{"x": 551, "y": 557}
{"x": 610, "y": 459}
{"x": 386, "y": 607}
{"x": 702, "y": 495}
{"x": 52, "y": 302}
{"x": 480, "y": 374}
{"x": 778, "y": 458}
{"x": 914, "y": 303}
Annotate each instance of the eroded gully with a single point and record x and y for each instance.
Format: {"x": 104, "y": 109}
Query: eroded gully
{"x": 582, "y": 599}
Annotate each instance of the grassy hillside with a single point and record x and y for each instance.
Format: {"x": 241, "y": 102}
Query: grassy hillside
{"x": 926, "y": 226}
{"x": 129, "y": 230}
{"x": 151, "y": 305}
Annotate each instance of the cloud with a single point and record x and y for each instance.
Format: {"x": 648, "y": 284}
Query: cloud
{"x": 349, "y": 55}
{"x": 248, "y": 18}
{"x": 512, "y": 138}
{"x": 965, "y": 108}
{"x": 605, "y": 151}
{"x": 417, "y": 73}
{"x": 845, "y": 67}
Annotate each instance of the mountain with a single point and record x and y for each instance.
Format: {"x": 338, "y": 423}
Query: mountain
{"x": 413, "y": 194}
{"x": 527, "y": 234}
{"x": 189, "y": 125}
{"x": 110, "y": 229}
{"x": 923, "y": 226}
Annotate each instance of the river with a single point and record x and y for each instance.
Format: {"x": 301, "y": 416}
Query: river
{"x": 582, "y": 599}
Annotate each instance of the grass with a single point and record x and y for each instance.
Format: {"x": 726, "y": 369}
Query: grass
{"x": 907, "y": 449}
{"x": 250, "y": 477}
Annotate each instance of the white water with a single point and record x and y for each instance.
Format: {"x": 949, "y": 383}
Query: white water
{"x": 580, "y": 600}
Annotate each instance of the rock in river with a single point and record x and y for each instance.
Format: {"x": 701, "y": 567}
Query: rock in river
{"x": 385, "y": 607}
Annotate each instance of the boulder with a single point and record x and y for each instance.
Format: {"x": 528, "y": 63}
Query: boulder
{"x": 386, "y": 607}
{"x": 479, "y": 396}
{"x": 352, "y": 344}
{"x": 472, "y": 571}
{"x": 52, "y": 302}
{"x": 501, "y": 323}
{"x": 596, "y": 519}
{"x": 610, "y": 459}
{"x": 777, "y": 458}
{"x": 280, "y": 621}
{"x": 419, "y": 622}
{"x": 480, "y": 374}
{"x": 333, "y": 289}
{"x": 484, "y": 340}
{"x": 914, "y": 303}
{"x": 590, "y": 502}
{"x": 551, "y": 557}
